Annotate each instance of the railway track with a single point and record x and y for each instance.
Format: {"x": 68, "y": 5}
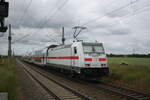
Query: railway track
{"x": 121, "y": 92}
{"x": 124, "y": 92}
{"x": 56, "y": 89}
{"x": 129, "y": 94}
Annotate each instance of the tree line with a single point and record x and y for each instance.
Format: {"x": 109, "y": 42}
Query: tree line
{"x": 129, "y": 55}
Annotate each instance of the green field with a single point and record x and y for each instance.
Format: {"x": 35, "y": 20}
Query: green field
{"x": 133, "y": 61}
{"x": 8, "y": 78}
{"x": 134, "y": 73}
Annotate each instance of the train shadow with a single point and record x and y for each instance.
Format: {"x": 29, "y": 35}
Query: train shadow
{"x": 77, "y": 78}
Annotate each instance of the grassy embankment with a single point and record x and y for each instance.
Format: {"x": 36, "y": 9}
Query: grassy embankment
{"x": 135, "y": 75}
{"x": 8, "y": 78}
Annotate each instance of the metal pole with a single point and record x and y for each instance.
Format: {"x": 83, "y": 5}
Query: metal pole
{"x": 63, "y": 37}
{"x": 9, "y": 42}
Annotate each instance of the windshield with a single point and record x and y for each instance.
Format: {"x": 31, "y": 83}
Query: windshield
{"x": 93, "y": 49}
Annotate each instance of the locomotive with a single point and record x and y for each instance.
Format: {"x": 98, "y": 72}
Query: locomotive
{"x": 86, "y": 59}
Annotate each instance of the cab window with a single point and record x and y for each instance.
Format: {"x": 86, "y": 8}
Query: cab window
{"x": 93, "y": 49}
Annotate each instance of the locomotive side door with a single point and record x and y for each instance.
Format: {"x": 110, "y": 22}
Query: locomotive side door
{"x": 74, "y": 55}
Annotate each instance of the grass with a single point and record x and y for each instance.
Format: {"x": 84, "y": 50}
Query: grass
{"x": 8, "y": 78}
{"x": 135, "y": 75}
{"x": 132, "y": 61}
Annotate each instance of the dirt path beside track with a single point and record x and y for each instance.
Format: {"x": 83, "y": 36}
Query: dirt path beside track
{"x": 28, "y": 88}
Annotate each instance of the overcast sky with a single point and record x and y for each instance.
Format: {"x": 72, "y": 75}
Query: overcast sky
{"x": 122, "y": 25}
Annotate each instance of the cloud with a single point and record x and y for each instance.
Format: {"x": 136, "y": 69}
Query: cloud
{"x": 119, "y": 31}
{"x": 40, "y": 26}
{"x": 40, "y": 14}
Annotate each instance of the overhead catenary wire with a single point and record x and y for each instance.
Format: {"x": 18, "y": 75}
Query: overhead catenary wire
{"x": 45, "y": 22}
{"x": 115, "y": 10}
{"x": 145, "y": 8}
{"x": 57, "y": 9}
{"x": 137, "y": 12}
{"x": 52, "y": 40}
{"x": 89, "y": 22}
{"x": 25, "y": 11}
{"x": 83, "y": 24}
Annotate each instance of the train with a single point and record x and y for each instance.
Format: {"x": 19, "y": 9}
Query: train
{"x": 85, "y": 59}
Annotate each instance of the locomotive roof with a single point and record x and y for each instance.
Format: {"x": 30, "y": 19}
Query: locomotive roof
{"x": 62, "y": 46}
{"x": 91, "y": 43}
{"x": 69, "y": 45}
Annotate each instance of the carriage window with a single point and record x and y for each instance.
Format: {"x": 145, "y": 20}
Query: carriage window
{"x": 93, "y": 49}
{"x": 75, "y": 50}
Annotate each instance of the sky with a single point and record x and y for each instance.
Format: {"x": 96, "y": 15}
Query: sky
{"x": 121, "y": 25}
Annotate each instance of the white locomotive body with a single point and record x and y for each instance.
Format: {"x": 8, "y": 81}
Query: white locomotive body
{"x": 78, "y": 58}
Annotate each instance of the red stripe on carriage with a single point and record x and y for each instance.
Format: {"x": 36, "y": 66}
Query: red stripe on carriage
{"x": 69, "y": 57}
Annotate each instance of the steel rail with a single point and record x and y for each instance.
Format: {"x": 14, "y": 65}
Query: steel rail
{"x": 42, "y": 85}
{"x": 75, "y": 92}
{"x": 124, "y": 91}
{"x": 121, "y": 91}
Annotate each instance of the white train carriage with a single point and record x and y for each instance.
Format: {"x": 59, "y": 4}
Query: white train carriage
{"x": 88, "y": 59}
{"x": 39, "y": 57}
